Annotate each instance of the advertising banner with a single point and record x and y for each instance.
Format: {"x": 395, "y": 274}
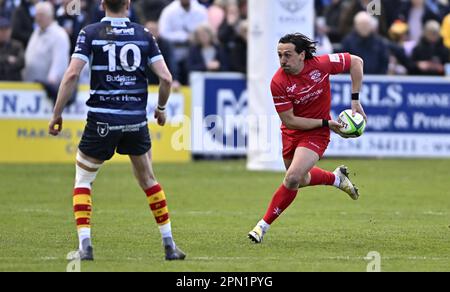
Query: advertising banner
{"x": 25, "y": 112}
{"x": 219, "y": 111}
{"x": 408, "y": 117}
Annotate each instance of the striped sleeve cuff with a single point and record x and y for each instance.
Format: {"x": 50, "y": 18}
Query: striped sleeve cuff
{"x": 81, "y": 57}
{"x": 155, "y": 59}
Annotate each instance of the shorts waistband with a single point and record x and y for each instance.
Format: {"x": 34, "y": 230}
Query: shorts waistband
{"x": 127, "y": 127}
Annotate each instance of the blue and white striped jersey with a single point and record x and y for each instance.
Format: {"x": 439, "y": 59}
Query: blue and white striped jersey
{"x": 118, "y": 52}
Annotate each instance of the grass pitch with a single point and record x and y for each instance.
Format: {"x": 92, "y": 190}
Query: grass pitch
{"x": 403, "y": 213}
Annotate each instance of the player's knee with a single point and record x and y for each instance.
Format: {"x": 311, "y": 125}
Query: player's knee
{"x": 84, "y": 178}
{"x": 292, "y": 180}
{"x": 86, "y": 172}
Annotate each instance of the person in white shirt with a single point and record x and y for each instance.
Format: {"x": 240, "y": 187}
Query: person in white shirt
{"x": 47, "y": 53}
{"x": 177, "y": 23}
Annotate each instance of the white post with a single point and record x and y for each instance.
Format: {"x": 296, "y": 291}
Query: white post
{"x": 269, "y": 20}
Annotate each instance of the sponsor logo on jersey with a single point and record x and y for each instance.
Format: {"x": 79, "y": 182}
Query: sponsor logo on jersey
{"x": 291, "y": 89}
{"x": 120, "y": 31}
{"x": 123, "y": 80}
{"x": 309, "y": 97}
{"x": 315, "y": 76}
{"x": 123, "y": 98}
{"x": 334, "y": 58}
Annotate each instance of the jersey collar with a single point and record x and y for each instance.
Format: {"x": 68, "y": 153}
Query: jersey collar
{"x": 120, "y": 22}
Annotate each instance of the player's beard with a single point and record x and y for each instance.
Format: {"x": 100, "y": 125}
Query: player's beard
{"x": 287, "y": 69}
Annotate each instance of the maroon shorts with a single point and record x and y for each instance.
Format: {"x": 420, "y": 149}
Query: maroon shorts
{"x": 317, "y": 144}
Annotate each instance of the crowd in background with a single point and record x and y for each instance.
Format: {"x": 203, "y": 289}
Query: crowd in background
{"x": 408, "y": 37}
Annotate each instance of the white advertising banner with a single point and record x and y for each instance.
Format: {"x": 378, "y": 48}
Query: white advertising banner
{"x": 269, "y": 20}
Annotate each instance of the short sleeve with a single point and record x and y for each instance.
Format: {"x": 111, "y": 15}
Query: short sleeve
{"x": 336, "y": 63}
{"x": 280, "y": 98}
{"x": 83, "y": 49}
{"x": 154, "y": 53}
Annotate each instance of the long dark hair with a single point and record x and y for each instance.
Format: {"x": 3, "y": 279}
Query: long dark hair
{"x": 302, "y": 43}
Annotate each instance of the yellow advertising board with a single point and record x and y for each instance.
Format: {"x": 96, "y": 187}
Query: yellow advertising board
{"x": 25, "y": 112}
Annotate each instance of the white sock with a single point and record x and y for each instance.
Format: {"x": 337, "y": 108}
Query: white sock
{"x": 264, "y": 226}
{"x": 83, "y": 234}
{"x": 166, "y": 230}
{"x": 337, "y": 181}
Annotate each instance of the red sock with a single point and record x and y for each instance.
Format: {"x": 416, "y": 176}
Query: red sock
{"x": 282, "y": 198}
{"x": 321, "y": 177}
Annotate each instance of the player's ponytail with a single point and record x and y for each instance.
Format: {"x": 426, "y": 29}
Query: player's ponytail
{"x": 302, "y": 43}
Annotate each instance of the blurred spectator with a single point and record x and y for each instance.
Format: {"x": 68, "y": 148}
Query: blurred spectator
{"x": 178, "y": 21}
{"x": 23, "y": 21}
{"x": 205, "y": 54}
{"x": 206, "y": 3}
{"x": 400, "y": 49}
{"x": 431, "y": 55}
{"x": 349, "y": 11}
{"x": 445, "y": 31}
{"x": 7, "y": 7}
{"x": 228, "y": 30}
{"x": 167, "y": 52}
{"x": 399, "y": 34}
{"x": 216, "y": 14}
{"x": 332, "y": 14}
{"x": 391, "y": 9}
{"x": 47, "y": 54}
{"x": 238, "y": 54}
{"x": 243, "y": 8}
{"x": 415, "y": 13}
{"x": 324, "y": 45}
{"x": 71, "y": 23}
{"x": 150, "y": 10}
{"x": 320, "y": 6}
{"x": 439, "y": 7}
{"x": 365, "y": 43}
{"x": 11, "y": 54}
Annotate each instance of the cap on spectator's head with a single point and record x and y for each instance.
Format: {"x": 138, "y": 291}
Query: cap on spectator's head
{"x": 4, "y": 23}
{"x": 399, "y": 27}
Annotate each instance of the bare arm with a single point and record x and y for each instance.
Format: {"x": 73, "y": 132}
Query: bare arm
{"x": 66, "y": 89}
{"x": 165, "y": 84}
{"x": 305, "y": 124}
{"x": 357, "y": 73}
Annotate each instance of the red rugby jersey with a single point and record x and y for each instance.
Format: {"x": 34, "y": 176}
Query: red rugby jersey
{"x": 308, "y": 93}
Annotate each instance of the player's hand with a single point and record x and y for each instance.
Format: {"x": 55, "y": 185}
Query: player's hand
{"x": 160, "y": 117}
{"x": 357, "y": 108}
{"x": 336, "y": 127}
{"x": 55, "y": 126}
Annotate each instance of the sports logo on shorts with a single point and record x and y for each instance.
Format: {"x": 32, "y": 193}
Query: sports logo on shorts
{"x": 102, "y": 129}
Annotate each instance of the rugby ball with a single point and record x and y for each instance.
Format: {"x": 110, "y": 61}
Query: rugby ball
{"x": 352, "y": 126}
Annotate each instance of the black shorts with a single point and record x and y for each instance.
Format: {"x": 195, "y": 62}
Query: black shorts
{"x": 100, "y": 140}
